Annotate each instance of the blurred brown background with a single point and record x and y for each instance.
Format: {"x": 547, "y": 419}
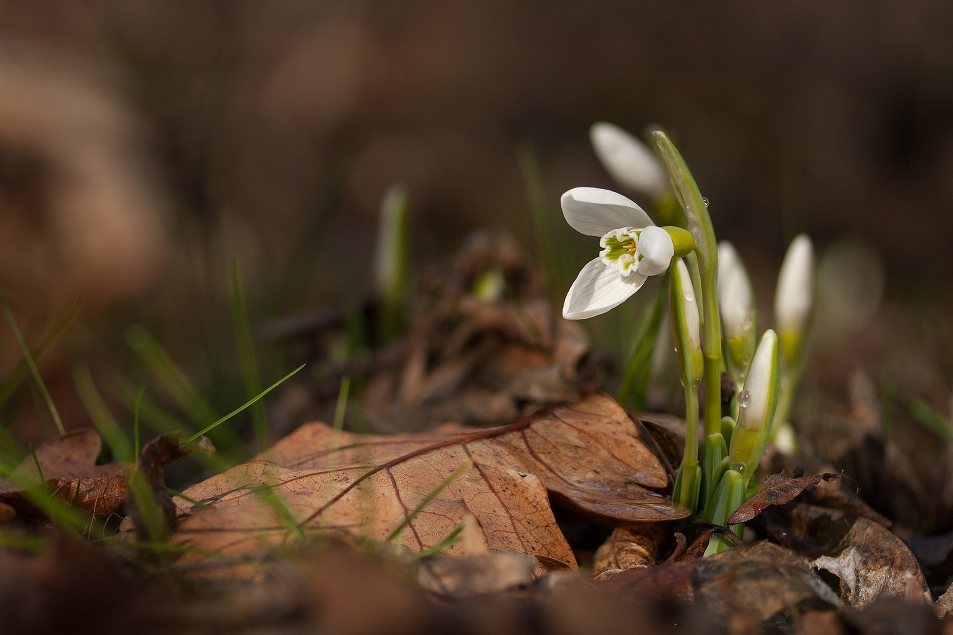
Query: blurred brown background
{"x": 144, "y": 143}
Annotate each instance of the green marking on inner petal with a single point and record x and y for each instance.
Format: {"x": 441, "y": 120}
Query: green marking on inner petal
{"x": 620, "y": 248}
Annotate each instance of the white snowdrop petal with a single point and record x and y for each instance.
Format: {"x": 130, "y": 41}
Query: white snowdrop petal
{"x": 794, "y": 297}
{"x": 599, "y": 288}
{"x": 595, "y": 212}
{"x": 656, "y": 248}
{"x": 629, "y": 161}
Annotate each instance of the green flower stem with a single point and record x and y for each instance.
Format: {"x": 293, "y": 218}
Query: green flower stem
{"x": 699, "y": 224}
{"x": 689, "y": 482}
{"x": 685, "y": 329}
{"x": 692, "y": 261}
{"x": 728, "y": 497}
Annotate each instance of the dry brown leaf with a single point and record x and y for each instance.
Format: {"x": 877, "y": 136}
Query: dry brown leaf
{"x": 629, "y": 547}
{"x": 777, "y": 489}
{"x": 586, "y": 452}
{"x": 873, "y": 563}
{"x": 68, "y": 463}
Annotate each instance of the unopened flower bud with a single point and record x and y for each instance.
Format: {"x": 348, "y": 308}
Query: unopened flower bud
{"x": 736, "y": 304}
{"x": 629, "y": 161}
{"x": 686, "y": 325}
{"x": 757, "y": 403}
{"x": 794, "y": 298}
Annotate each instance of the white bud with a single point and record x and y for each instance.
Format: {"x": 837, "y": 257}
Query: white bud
{"x": 794, "y": 298}
{"x": 734, "y": 292}
{"x": 629, "y": 161}
{"x": 655, "y": 248}
{"x": 754, "y": 420}
{"x": 692, "y": 321}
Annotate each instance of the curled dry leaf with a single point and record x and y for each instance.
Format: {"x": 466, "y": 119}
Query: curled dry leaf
{"x": 68, "y": 463}
{"x": 777, "y": 489}
{"x": 629, "y": 547}
{"x": 872, "y": 564}
{"x": 586, "y": 453}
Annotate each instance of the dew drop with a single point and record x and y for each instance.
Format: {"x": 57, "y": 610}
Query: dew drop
{"x": 744, "y": 398}
{"x": 705, "y": 198}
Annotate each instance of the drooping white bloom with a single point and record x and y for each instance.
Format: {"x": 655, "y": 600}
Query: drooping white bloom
{"x": 630, "y": 162}
{"x": 794, "y": 298}
{"x": 735, "y": 299}
{"x": 633, "y": 248}
{"x": 757, "y": 403}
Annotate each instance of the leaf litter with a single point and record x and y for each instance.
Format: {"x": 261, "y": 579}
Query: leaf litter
{"x": 587, "y": 453}
{"x": 819, "y": 556}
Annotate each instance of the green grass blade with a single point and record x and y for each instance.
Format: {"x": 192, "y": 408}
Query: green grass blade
{"x": 31, "y": 544}
{"x": 36, "y": 462}
{"x": 341, "y": 408}
{"x": 541, "y": 214}
{"x": 52, "y": 335}
{"x": 392, "y": 267}
{"x": 135, "y": 421}
{"x": 243, "y": 406}
{"x": 31, "y": 365}
{"x": 274, "y": 500}
{"x": 150, "y": 512}
{"x": 428, "y": 498}
{"x": 160, "y": 546}
{"x": 150, "y": 412}
{"x": 930, "y": 419}
{"x": 246, "y": 354}
{"x": 109, "y": 429}
{"x": 175, "y": 381}
{"x": 178, "y": 494}
{"x": 451, "y": 539}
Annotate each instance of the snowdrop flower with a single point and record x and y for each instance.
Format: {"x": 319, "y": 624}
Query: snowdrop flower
{"x": 757, "y": 402}
{"x": 630, "y": 162}
{"x": 736, "y": 303}
{"x": 794, "y": 298}
{"x": 633, "y": 249}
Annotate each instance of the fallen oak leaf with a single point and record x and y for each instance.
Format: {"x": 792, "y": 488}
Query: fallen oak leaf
{"x": 777, "y": 489}
{"x": 68, "y": 466}
{"x": 586, "y": 452}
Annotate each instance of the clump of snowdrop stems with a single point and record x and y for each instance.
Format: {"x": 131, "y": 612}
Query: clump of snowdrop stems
{"x": 709, "y": 291}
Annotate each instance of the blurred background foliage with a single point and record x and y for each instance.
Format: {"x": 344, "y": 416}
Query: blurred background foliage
{"x": 146, "y": 145}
